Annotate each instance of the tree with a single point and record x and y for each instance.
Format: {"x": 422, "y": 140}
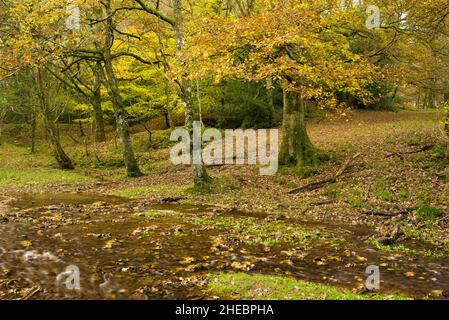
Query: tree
{"x": 309, "y": 56}
{"x": 50, "y": 102}
{"x": 87, "y": 84}
{"x": 183, "y": 78}
{"x": 43, "y": 39}
{"x": 20, "y": 98}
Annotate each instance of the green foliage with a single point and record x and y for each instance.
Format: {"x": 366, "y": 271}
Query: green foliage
{"x": 241, "y": 104}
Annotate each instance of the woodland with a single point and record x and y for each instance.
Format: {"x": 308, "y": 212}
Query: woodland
{"x": 92, "y": 91}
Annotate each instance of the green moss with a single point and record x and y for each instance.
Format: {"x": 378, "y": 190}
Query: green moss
{"x": 427, "y": 212}
{"x": 425, "y": 197}
{"x": 305, "y": 172}
{"x": 267, "y": 287}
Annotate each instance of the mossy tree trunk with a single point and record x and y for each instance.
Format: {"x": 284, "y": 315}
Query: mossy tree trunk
{"x": 111, "y": 84}
{"x": 33, "y": 125}
{"x": 446, "y": 121}
{"x": 297, "y": 148}
{"x": 100, "y": 135}
{"x": 270, "y": 93}
{"x": 200, "y": 176}
{"x": 446, "y": 103}
{"x": 62, "y": 158}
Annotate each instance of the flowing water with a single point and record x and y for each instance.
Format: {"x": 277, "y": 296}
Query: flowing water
{"x": 136, "y": 250}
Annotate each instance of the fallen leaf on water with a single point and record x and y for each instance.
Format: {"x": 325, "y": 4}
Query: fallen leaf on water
{"x": 187, "y": 260}
{"x": 109, "y": 244}
{"x": 287, "y": 262}
{"x": 26, "y": 244}
{"x": 246, "y": 266}
{"x": 334, "y": 258}
{"x": 436, "y": 293}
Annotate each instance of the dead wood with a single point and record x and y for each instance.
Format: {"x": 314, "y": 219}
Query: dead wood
{"x": 317, "y": 184}
{"x": 402, "y": 154}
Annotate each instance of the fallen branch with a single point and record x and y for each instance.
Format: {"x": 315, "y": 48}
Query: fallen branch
{"x": 32, "y": 293}
{"x": 443, "y": 218}
{"x": 401, "y": 154}
{"x": 322, "y": 203}
{"x": 384, "y": 213}
{"x": 318, "y": 184}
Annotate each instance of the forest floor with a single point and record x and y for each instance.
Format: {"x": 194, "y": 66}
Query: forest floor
{"x": 244, "y": 237}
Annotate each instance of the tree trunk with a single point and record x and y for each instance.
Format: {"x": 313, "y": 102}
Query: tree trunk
{"x": 167, "y": 115}
{"x": 430, "y": 100}
{"x": 112, "y": 87}
{"x": 270, "y": 93}
{"x": 446, "y": 123}
{"x": 80, "y": 125}
{"x": 61, "y": 157}
{"x": 1, "y": 126}
{"x": 100, "y": 135}
{"x": 168, "y": 122}
{"x": 200, "y": 176}
{"x": 63, "y": 160}
{"x": 33, "y": 125}
{"x": 296, "y": 149}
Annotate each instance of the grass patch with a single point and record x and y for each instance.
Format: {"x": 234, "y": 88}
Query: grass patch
{"x": 254, "y": 231}
{"x": 427, "y": 212}
{"x": 40, "y": 177}
{"x": 404, "y": 249}
{"x": 356, "y": 199}
{"x": 437, "y": 158}
{"x": 267, "y": 287}
{"x": 404, "y": 194}
{"x": 155, "y": 214}
{"x": 19, "y": 167}
{"x": 382, "y": 189}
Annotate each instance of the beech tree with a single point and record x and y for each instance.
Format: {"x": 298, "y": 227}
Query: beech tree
{"x": 300, "y": 45}
{"x": 182, "y": 76}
